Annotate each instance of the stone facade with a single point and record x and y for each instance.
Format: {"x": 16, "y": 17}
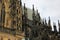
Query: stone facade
{"x": 18, "y": 23}
{"x": 11, "y": 20}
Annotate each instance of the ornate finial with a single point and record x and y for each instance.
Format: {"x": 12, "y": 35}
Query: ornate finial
{"x": 20, "y": 3}
{"x": 49, "y": 19}
{"x": 24, "y": 5}
{"x": 33, "y": 10}
{"x": 37, "y": 10}
{"x": 54, "y": 25}
{"x": 49, "y": 22}
{"x": 25, "y": 10}
{"x": 58, "y": 23}
{"x": 33, "y": 7}
{"x": 45, "y": 21}
{"x": 33, "y": 14}
{"x": 38, "y": 13}
{"x": 38, "y": 16}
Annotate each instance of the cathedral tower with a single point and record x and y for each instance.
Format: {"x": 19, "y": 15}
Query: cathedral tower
{"x": 13, "y": 15}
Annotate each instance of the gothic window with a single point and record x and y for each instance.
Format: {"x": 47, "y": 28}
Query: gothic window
{"x": 20, "y": 3}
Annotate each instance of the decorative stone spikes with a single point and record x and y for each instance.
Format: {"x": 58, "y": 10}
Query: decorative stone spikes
{"x": 38, "y": 14}
{"x": 59, "y": 26}
{"x": 25, "y": 10}
{"x": 33, "y": 7}
{"x": 33, "y": 14}
{"x": 20, "y": 3}
{"x": 45, "y": 22}
{"x": 49, "y": 22}
{"x": 33, "y": 10}
{"x": 24, "y": 6}
{"x": 54, "y": 25}
{"x": 58, "y": 23}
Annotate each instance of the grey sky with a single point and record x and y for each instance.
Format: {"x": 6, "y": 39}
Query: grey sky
{"x": 46, "y": 8}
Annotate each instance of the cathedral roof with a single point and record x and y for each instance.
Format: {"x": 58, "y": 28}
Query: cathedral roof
{"x": 29, "y": 13}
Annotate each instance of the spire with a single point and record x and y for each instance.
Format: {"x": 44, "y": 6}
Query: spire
{"x": 33, "y": 10}
{"x": 25, "y": 10}
{"x": 20, "y": 3}
{"x": 37, "y": 11}
{"x": 38, "y": 16}
{"x": 58, "y": 22}
{"x": 33, "y": 13}
{"x": 33, "y": 7}
{"x": 49, "y": 22}
{"x": 45, "y": 22}
{"x": 59, "y": 26}
{"x": 24, "y": 6}
{"x": 54, "y": 25}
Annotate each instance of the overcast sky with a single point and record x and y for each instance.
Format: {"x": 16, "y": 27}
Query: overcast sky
{"x": 46, "y": 8}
